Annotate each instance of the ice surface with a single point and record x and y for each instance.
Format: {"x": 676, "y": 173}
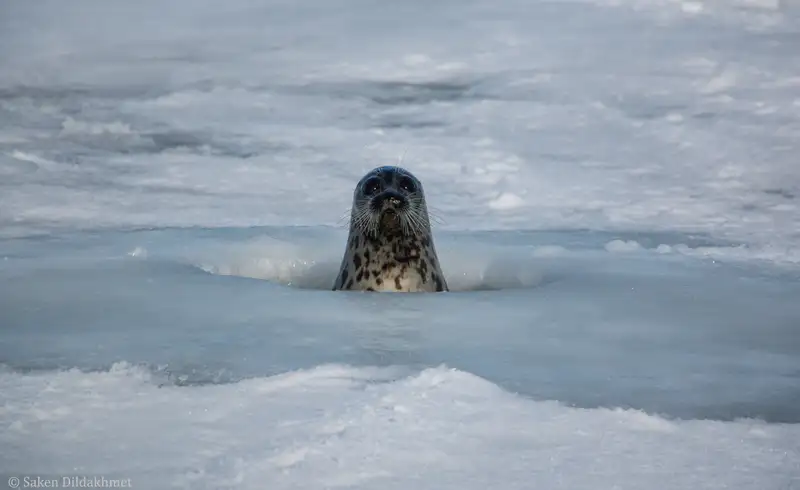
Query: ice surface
{"x": 617, "y": 184}
{"x": 619, "y": 115}
{"x": 556, "y": 352}
{"x": 340, "y": 427}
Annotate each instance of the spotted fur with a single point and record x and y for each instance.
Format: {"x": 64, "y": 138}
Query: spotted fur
{"x": 390, "y": 245}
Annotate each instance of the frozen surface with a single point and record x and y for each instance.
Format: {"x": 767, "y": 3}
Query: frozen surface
{"x": 617, "y": 184}
{"x": 571, "y": 358}
{"x": 339, "y": 427}
{"x": 516, "y": 114}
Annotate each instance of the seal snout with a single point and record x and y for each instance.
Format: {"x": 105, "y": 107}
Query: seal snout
{"x": 389, "y": 202}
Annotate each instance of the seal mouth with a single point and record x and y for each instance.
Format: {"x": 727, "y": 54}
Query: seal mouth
{"x": 390, "y": 219}
{"x": 389, "y": 213}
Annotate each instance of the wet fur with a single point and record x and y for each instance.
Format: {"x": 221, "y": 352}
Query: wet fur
{"x": 390, "y": 255}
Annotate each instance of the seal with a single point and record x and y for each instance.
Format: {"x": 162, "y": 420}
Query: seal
{"x": 390, "y": 245}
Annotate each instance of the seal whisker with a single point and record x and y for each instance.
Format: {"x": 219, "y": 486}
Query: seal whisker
{"x": 435, "y": 215}
{"x": 404, "y": 224}
{"x": 416, "y": 212}
{"x": 345, "y": 218}
{"x": 359, "y": 221}
{"x": 365, "y": 222}
{"x": 420, "y": 224}
{"x": 437, "y": 219}
{"x": 432, "y": 218}
{"x": 410, "y": 219}
{"x": 407, "y": 222}
{"x": 400, "y": 159}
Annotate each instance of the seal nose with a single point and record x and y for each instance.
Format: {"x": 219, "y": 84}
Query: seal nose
{"x": 389, "y": 200}
{"x": 394, "y": 199}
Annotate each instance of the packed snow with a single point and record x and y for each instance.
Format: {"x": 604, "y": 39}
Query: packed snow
{"x": 615, "y": 187}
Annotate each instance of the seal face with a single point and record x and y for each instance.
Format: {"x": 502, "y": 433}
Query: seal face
{"x": 390, "y": 245}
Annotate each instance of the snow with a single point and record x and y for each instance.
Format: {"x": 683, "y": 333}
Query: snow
{"x": 615, "y": 188}
{"x": 627, "y": 246}
{"x": 526, "y": 107}
{"x": 334, "y": 427}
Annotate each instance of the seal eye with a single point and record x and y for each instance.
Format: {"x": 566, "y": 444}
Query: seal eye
{"x": 371, "y": 186}
{"x": 407, "y": 184}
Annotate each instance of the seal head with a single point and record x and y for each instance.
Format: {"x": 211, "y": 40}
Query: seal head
{"x": 390, "y": 246}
